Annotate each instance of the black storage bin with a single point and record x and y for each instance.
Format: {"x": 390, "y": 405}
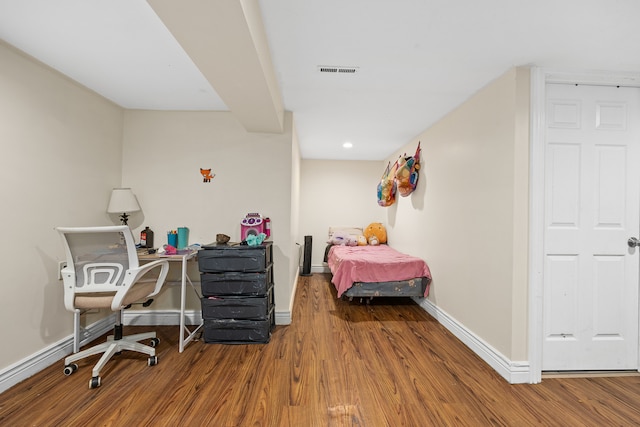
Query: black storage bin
{"x": 236, "y": 283}
{"x": 234, "y": 331}
{"x": 222, "y": 258}
{"x": 235, "y": 307}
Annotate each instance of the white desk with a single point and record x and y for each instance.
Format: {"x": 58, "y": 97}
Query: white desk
{"x": 186, "y": 334}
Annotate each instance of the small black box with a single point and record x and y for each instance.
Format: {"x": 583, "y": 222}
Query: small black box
{"x": 232, "y": 331}
{"x": 236, "y": 283}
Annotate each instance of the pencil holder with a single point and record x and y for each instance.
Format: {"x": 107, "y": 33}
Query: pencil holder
{"x": 172, "y": 239}
{"x": 183, "y": 237}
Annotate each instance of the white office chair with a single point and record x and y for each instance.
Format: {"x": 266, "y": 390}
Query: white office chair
{"x": 103, "y": 272}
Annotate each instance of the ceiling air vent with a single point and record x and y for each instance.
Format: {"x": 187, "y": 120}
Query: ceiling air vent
{"x": 339, "y": 70}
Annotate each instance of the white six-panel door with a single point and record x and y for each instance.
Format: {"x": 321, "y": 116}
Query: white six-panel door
{"x": 592, "y": 200}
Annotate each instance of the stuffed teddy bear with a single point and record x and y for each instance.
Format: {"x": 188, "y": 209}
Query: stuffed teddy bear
{"x": 375, "y": 233}
{"x": 341, "y": 238}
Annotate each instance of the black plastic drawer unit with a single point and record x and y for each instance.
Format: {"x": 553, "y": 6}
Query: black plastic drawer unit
{"x": 236, "y": 283}
{"x": 238, "y": 293}
{"x": 235, "y": 331}
{"x": 235, "y": 307}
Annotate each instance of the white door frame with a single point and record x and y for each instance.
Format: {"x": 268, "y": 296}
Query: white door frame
{"x": 539, "y": 78}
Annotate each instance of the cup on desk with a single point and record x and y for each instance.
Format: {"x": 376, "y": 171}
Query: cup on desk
{"x": 183, "y": 237}
{"x": 172, "y": 238}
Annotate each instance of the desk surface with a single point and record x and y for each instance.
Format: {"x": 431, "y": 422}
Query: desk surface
{"x": 188, "y": 254}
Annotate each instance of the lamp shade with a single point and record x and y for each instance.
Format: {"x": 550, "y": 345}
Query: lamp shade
{"x": 123, "y": 200}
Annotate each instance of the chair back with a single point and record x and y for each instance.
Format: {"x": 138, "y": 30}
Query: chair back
{"x": 97, "y": 259}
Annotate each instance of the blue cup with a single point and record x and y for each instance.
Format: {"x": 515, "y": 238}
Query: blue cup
{"x": 172, "y": 239}
{"x": 183, "y": 237}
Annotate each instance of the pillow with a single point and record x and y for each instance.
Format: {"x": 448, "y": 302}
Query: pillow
{"x": 354, "y": 231}
{"x": 342, "y": 238}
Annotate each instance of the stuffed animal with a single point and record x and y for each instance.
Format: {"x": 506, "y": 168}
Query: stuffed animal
{"x": 375, "y": 233}
{"x": 255, "y": 240}
{"x": 341, "y": 238}
{"x": 362, "y": 241}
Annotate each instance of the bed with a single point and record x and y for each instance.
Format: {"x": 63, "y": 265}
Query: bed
{"x": 376, "y": 271}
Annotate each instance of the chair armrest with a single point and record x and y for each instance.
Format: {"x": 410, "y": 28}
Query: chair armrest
{"x": 133, "y": 275}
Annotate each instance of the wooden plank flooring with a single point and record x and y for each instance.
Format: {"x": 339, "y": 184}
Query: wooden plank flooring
{"x": 339, "y": 363}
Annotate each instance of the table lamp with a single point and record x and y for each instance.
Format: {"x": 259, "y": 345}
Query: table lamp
{"x": 122, "y": 201}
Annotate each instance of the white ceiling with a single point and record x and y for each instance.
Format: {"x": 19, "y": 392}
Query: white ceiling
{"x": 417, "y": 59}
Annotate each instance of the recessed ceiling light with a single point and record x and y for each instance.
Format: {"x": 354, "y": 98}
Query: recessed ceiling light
{"x": 347, "y": 145}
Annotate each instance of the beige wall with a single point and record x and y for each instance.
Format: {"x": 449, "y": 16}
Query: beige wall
{"x": 254, "y": 172}
{"x": 469, "y": 214}
{"x": 61, "y": 155}
{"x": 336, "y": 193}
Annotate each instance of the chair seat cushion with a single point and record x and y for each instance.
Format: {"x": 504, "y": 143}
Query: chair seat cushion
{"x": 138, "y": 292}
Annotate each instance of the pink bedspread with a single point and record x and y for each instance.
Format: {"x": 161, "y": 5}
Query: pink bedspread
{"x": 350, "y": 264}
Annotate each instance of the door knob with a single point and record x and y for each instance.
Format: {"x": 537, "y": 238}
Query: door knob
{"x": 633, "y": 242}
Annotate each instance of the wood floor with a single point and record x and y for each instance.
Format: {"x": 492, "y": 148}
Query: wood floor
{"x": 337, "y": 364}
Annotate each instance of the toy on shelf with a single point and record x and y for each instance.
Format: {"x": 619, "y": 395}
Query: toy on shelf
{"x": 253, "y": 225}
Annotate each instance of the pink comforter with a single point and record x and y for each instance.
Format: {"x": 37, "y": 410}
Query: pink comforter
{"x": 350, "y": 264}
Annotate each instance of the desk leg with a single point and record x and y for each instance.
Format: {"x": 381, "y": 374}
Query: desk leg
{"x": 183, "y": 296}
{"x": 186, "y": 335}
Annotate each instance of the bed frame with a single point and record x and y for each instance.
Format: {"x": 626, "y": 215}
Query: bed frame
{"x": 403, "y": 288}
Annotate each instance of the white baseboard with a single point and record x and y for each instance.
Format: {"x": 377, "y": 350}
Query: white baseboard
{"x": 35, "y": 363}
{"x": 513, "y": 372}
{"x": 283, "y": 317}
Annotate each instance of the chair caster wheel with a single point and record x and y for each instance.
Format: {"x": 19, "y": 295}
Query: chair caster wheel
{"x": 94, "y": 382}
{"x": 154, "y": 342}
{"x": 70, "y": 369}
{"x": 152, "y": 361}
